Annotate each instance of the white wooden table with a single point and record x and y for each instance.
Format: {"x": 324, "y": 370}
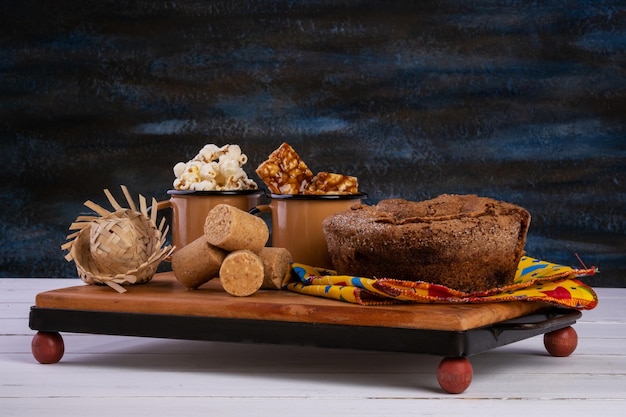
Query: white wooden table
{"x": 129, "y": 376}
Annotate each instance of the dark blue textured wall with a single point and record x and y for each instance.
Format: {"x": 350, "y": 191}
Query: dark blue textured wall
{"x": 520, "y": 101}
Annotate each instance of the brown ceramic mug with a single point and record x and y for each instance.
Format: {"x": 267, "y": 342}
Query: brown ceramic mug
{"x": 190, "y": 209}
{"x": 297, "y": 223}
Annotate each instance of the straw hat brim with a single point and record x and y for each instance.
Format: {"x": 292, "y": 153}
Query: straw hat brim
{"x": 142, "y": 259}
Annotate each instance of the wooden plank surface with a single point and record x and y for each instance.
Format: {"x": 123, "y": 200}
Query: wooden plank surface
{"x": 132, "y": 376}
{"x": 165, "y": 295}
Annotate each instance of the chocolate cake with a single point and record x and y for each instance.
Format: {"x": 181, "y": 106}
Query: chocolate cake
{"x": 465, "y": 242}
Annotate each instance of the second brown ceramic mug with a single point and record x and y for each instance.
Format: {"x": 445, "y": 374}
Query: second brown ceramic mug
{"x": 297, "y": 223}
{"x": 190, "y": 209}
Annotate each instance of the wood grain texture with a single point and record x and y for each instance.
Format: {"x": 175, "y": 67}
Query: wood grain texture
{"x": 523, "y": 104}
{"x": 121, "y": 375}
{"x": 165, "y": 295}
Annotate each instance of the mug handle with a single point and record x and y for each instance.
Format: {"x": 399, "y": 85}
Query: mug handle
{"x": 160, "y": 205}
{"x": 263, "y": 208}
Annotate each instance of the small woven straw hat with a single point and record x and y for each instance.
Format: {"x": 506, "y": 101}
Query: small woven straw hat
{"x": 119, "y": 247}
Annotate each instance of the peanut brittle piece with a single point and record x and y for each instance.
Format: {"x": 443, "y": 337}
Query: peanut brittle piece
{"x": 332, "y": 183}
{"x": 284, "y": 172}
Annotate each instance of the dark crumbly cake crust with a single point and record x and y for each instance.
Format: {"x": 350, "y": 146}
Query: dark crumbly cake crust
{"x": 464, "y": 242}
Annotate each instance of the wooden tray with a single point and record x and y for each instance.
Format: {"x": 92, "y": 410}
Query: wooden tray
{"x": 164, "y": 308}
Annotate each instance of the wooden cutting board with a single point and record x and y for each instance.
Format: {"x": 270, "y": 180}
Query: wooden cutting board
{"x": 165, "y": 295}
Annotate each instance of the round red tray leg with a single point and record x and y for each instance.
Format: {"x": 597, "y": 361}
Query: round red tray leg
{"x": 454, "y": 374}
{"x": 47, "y": 347}
{"x": 561, "y": 342}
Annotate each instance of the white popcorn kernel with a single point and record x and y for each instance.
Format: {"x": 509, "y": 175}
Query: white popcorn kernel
{"x": 204, "y": 185}
{"x": 209, "y": 185}
{"x": 235, "y": 184}
{"x": 179, "y": 168}
{"x": 207, "y": 153}
{"x": 208, "y": 171}
{"x": 194, "y": 165}
{"x": 229, "y": 167}
{"x": 234, "y": 150}
{"x": 233, "y": 181}
{"x": 249, "y": 184}
{"x": 191, "y": 174}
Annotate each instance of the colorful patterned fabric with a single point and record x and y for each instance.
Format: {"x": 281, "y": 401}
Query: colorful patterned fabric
{"x": 535, "y": 280}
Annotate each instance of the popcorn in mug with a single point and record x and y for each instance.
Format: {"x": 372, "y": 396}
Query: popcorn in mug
{"x": 214, "y": 169}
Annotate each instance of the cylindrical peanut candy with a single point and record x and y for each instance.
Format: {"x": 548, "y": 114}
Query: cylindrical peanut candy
{"x": 197, "y": 263}
{"x": 276, "y": 264}
{"x": 232, "y": 229}
{"x": 241, "y": 273}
